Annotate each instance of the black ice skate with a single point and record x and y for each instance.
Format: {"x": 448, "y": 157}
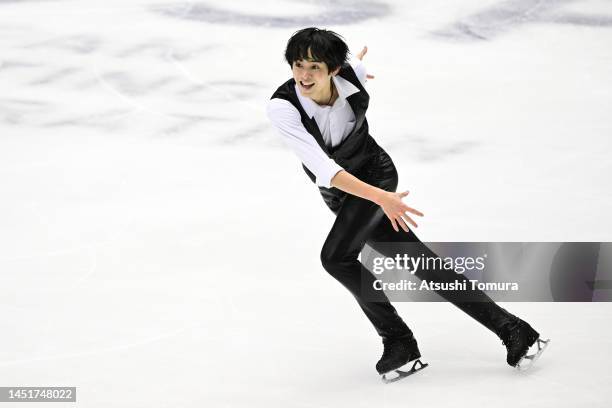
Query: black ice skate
{"x": 518, "y": 339}
{"x": 400, "y": 359}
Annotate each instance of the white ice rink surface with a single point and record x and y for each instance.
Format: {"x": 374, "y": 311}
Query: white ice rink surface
{"x": 159, "y": 246}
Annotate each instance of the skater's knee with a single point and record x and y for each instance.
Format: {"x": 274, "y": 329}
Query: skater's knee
{"x": 330, "y": 258}
{"x": 326, "y": 258}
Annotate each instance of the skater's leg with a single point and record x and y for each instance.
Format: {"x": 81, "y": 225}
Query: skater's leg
{"x": 516, "y": 334}
{"x": 474, "y": 302}
{"x": 354, "y": 223}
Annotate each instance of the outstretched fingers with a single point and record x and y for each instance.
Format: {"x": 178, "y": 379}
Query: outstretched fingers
{"x": 402, "y": 223}
{"x": 405, "y": 208}
{"x": 412, "y": 210}
{"x": 393, "y": 223}
{"x": 398, "y": 213}
{"x": 401, "y": 219}
{"x": 362, "y": 52}
{"x": 410, "y": 220}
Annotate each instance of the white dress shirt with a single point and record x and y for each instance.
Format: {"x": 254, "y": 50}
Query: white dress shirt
{"x": 335, "y": 123}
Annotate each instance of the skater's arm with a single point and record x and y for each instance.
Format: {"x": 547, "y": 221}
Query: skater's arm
{"x": 360, "y": 68}
{"x": 390, "y": 202}
{"x": 286, "y": 119}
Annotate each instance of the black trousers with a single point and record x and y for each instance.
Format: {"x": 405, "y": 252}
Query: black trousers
{"x": 359, "y": 221}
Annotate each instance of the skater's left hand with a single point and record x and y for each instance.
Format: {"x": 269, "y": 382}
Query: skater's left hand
{"x": 395, "y": 209}
{"x": 360, "y": 58}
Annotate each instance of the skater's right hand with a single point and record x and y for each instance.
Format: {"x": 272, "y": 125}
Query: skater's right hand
{"x": 360, "y": 55}
{"x": 396, "y": 210}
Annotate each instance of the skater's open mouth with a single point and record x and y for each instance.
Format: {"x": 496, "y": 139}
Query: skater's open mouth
{"x": 306, "y": 86}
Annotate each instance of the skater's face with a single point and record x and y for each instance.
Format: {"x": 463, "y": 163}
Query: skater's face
{"x": 312, "y": 77}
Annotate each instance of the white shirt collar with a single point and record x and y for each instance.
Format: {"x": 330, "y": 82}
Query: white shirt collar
{"x": 344, "y": 87}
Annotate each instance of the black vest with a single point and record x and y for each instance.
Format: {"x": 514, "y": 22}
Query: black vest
{"x": 358, "y": 147}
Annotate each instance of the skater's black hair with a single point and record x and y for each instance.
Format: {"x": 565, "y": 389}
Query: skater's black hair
{"x": 325, "y": 46}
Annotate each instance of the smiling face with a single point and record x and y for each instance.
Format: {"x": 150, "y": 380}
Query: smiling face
{"x": 311, "y": 53}
{"x": 313, "y": 78}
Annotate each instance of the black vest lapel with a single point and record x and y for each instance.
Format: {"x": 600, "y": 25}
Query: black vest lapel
{"x": 359, "y": 101}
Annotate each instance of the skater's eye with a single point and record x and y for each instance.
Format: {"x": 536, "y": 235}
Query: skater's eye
{"x": 314, "y": 67}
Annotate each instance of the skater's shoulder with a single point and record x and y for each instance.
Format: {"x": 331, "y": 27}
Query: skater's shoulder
{"x": 354, "y": 71}
{"x": 284, "y": 90}
{"x": 278, "y": 109}
{"x": 289, "y": 103}
{"x": 279, "y": 105}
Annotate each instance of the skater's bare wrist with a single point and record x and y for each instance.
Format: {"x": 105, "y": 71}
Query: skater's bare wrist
{"x": 378, "y": 195}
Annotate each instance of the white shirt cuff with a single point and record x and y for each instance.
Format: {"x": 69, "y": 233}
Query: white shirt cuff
{"x": 326, "y": 174}
{"x": 360, "y": 70}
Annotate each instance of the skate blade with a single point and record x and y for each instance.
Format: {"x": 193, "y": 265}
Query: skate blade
{"x": 528, "y": 361}
{"x": 398, "y": 374}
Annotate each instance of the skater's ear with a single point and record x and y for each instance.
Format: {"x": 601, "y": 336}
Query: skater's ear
{"x": 335, "y": 71}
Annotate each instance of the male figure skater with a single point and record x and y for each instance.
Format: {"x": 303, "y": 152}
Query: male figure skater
{"x": 320, "y": 114}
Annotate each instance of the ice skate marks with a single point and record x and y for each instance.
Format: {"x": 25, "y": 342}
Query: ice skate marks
{"x": 398, "y": 374}
{"x": 529, "y": 359}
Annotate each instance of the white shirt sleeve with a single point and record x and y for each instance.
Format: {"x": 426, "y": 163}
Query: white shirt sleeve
{"x": 286, "y": 119}
{"x": 360, "y": 70}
